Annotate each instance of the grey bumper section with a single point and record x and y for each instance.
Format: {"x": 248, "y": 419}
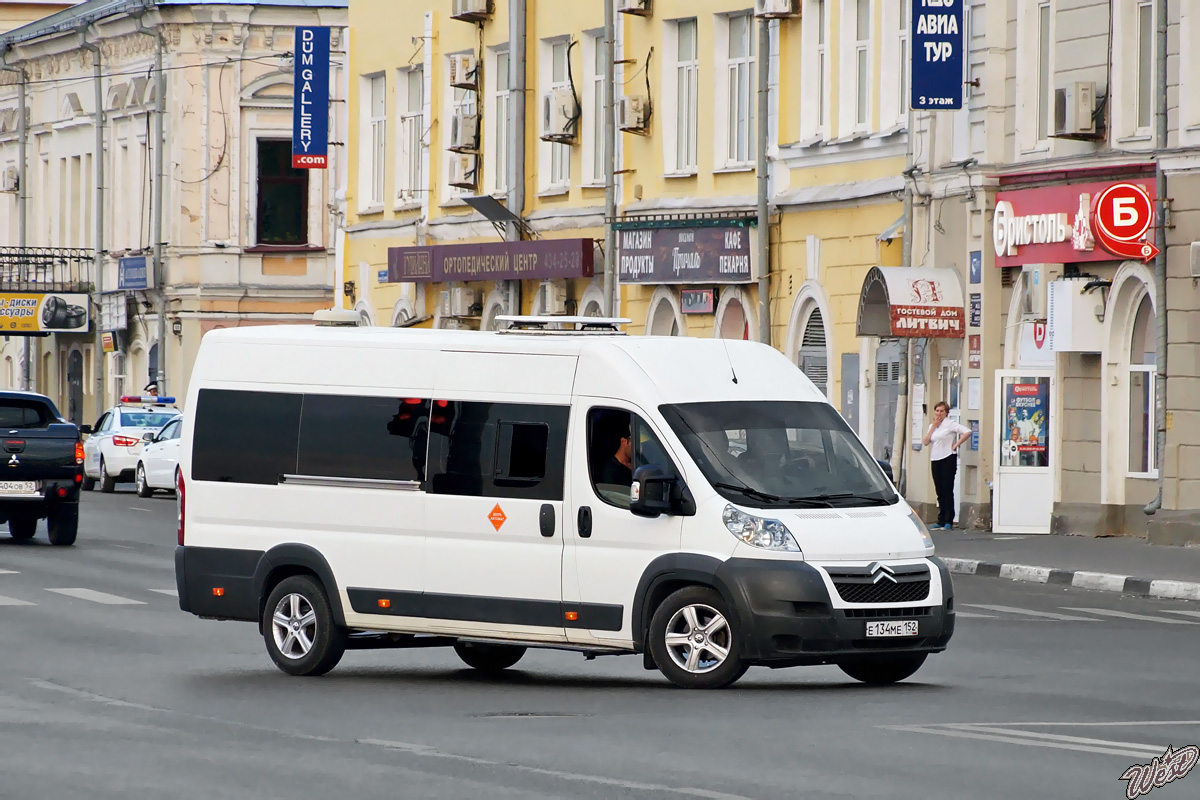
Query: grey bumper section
{"x": 1101, "y": 581}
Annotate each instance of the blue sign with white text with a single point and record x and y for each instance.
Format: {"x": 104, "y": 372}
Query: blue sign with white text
{"x": 310, "y": 104}
{"x": 131, "y": 273}
{"x": 938, "y": 41}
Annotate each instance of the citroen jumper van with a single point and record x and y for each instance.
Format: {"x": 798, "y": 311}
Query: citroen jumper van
{"x": 694, "y": 501}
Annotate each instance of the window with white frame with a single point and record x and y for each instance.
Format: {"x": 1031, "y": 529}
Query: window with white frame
{"x": 687, "y": 97}
{"x": 410, "y": 143}
{"x": 893, "y": 81}
{"x": 1189, "y": 73}
{"x": 378, "y": 127}
{"x": 594, "y": 101}
{"x": 559, "y": 165}
{"x": 1035, "y": 74}
{"x": 902, "y": 65}
{"x": 465, "y": 103}
{"x": 1145, "y": 65}
{"x": 1142, "y": 373}
{"x": 814, "y": 72}
{"x": 1044, "y": 44}
{"x": 501, "y": 108}
{"x": 739, "y": 85}
{"x": 862, "y": 64}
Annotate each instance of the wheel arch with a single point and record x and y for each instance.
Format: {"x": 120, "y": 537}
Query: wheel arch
{"x": 668, "y": 574}
{"x": 286, "y": 560}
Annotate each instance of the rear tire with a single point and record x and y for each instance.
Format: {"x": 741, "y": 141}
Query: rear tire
{"x": 88, "y": 483}
{"x": 298, "y": 627}
{"x": 63, "y": 524}
{"x": 139, "y": 481}
{"x": 696, "y": 641}
{"x": 489, "y": 657}
{"x": 107, "y": 482}
{"x": 22, "y": 527}
{"x": 883, "y": 670}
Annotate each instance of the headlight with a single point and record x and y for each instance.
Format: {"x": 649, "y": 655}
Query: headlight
{"x": 925, "y": 537}
{"x": 769, "y": 534}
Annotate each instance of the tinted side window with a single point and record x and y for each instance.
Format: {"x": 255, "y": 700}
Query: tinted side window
{"x": 245, "y": 437}
{"x": 380, "y": 438}
{"x": 24, "y": 414}
{"x": 498, "y": 449}
{"x": 615, "y": 437}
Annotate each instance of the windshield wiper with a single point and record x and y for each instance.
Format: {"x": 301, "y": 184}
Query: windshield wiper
{"x": 814, "y": 502}
{"x": 866, "y": 498}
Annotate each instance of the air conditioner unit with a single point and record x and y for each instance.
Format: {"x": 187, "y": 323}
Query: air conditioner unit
{"x": 554, "y": 297}
{"x": 462, "y": 172}
{"x": 641, "y": 8}
{"x": 774, "y": 9}
{"x": 464, "y": 133}
{"x": 1033, "y": 290}
{"x": 472, "y": 10}
{"x": 463, "y": 72}
{"x": 1074, "y": 111}
{"x": 11, "y": 181}
{"x": 462, "y": 301}
{"x": 633, "y": 113}
{"x": 560, "y": 112}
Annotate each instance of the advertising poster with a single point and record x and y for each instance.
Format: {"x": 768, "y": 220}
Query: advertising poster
{"x": 1027, "y": 425}
{"x": 33, "y": 312}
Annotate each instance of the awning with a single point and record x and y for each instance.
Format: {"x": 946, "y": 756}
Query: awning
{"x": 893, "y": 230}
{"x": 911, "y": 302}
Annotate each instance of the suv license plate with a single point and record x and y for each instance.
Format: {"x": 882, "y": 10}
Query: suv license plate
{"x": 901, "y": 627}
{"x": 18, "y": 487}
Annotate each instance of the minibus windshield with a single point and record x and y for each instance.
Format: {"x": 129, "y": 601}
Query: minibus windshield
{"x": 766, "y": 454}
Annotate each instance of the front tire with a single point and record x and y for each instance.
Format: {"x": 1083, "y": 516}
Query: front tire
{"x": 63, "y": 524}
{"x": 298, "y": 626}
{"x": 139, "y": 482}
{"x": 22, "y": 527}
{"x": 696, "y": 641}
{"x": 489, "y": 657}
{"x": 883, "y": 670}
{"x": 107, "y": 482}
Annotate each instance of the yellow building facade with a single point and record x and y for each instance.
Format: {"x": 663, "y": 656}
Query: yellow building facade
{"x": 431, "y": 97}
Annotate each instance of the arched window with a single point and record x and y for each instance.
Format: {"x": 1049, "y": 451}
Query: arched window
{"x": 1142, "y": 373}
{"x": 663, "y": 321}
{"x": 813, "y": 357}
{"x": 734, "y": 324}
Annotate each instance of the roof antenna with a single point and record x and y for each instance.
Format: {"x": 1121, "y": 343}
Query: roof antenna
{"x": 732, "y": 371}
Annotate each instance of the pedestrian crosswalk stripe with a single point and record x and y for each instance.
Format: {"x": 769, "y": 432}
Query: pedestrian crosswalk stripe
{"x": 168, "y": 592}
{"x": 1104, "y": 612}
{"x": 1029, "y": 612}
{"x": 97, "y": 597}
{"x": 9, "y": 572}
{"x": 12, "y": 601}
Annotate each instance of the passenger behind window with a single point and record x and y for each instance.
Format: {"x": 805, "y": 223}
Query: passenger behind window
{"x": 617, "y": 469}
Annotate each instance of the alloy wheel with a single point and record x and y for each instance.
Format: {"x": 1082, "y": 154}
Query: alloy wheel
{"x": 294, "y": 625}
{"x": 698, "y": 639}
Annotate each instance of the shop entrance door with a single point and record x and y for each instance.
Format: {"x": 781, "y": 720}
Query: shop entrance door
{"x": 1023, "y": 481}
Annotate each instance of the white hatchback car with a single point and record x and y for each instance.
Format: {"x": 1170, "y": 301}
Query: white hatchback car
{"x": 114, "y": 446}
{"x": 160, "y": 459}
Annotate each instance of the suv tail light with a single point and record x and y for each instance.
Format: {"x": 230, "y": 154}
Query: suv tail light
{"x": 179, "y": 502}
{"x": 78, "y": 452}
{"x": 125, "y": 441}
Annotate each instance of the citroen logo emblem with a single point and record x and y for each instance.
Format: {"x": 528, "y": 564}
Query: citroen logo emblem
{"x": 880, "y": 572}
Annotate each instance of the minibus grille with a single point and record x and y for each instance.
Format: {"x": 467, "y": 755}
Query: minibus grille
{"x": 881, "y": 583}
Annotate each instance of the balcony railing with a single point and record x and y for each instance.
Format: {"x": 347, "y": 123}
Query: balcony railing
{"x": 46, "y": 269}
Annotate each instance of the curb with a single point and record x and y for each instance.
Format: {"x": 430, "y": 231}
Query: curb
{"x": 1101, "y": 581}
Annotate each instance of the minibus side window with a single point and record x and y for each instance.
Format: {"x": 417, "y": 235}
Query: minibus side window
{"x": 245, "y": 437}
{"x": 619, "y": 442}
{"x": 378, "y": 438}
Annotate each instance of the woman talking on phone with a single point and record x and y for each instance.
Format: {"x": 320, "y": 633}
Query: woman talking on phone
{"x": 945, "y": 436}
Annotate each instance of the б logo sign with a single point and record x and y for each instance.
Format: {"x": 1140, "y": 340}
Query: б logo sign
{"x": 1122, "y": 215}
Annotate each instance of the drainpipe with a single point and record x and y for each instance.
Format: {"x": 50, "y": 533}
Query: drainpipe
{"x": 1160, "y": 262}
{"x": 764, "y": 181}
{"x": 610, "y": 160}
{"x": 156, "y": 201}
{"x": 898, "y": 437}
{"x": 22, "y": 198}
{"x": 517, "y": 21}
{"x": 98, "y": 82}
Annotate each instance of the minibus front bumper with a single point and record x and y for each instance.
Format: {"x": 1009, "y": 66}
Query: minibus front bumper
{"x": 788, "y": 618}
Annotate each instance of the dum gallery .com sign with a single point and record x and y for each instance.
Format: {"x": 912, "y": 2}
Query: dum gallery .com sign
{"x": 685, "y": 255}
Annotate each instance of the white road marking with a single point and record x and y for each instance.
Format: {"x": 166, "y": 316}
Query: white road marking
{"x": 168, "y": 592}
{"x": 12, "y": 601}
{"x": 9, "y": 572}
{"x": 1185, "y": 613}
{"x": 97, "y": 597}
{"x": 135, "y": 508}
{"x": 969, "y": 615}
{"x": 1104, "y": 612}
{"x": 1030, "y": 739}
{"x": 426, "y": 750}
{"x": 1150, "y": 749}
{"x": 1029, "y": 612}
{"x": 1101, "y": 581}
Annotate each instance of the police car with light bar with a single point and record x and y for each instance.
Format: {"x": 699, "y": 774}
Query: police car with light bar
{"x": 114, "y": 444}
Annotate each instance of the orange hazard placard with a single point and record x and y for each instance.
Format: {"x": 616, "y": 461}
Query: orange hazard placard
{"x": 497, "y": 517}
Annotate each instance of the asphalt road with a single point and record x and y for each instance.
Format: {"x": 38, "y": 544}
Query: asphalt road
{"x": 107, "y": 690}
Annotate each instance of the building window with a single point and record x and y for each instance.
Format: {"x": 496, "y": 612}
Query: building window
{"x": 822, "y": 68}
{"x": 501, "y": 103}
{"x": 902, "y": 66}
{"x": 410, "y": 161}
{"x": 378, "y": 124}
{"x": 463, "y": 102}
{"x": 594, "y": 147}
{"x": 1142, "y": 373}
{"x": 814, "y": 73}
{"x": 560, "y": 154}
{"x": 1043, "y": 71}
{"x": 1145, "y": 66}
{"x": 813, "y": 355}
{"x": 862, "y": 64}
{"x": 687, "y": 74}
{"x": 739, "y": 68}
{"x": 282, "y": 195}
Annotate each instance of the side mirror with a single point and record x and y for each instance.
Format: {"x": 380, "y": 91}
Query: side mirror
{"x": 655, "y": 493}
{"x": 887, "y": 469}
{"x": 86, "y": 429}
{"x": 147, "y": 437}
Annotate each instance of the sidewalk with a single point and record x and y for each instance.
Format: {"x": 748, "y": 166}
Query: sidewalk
{"x": 1118, "y": 564}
